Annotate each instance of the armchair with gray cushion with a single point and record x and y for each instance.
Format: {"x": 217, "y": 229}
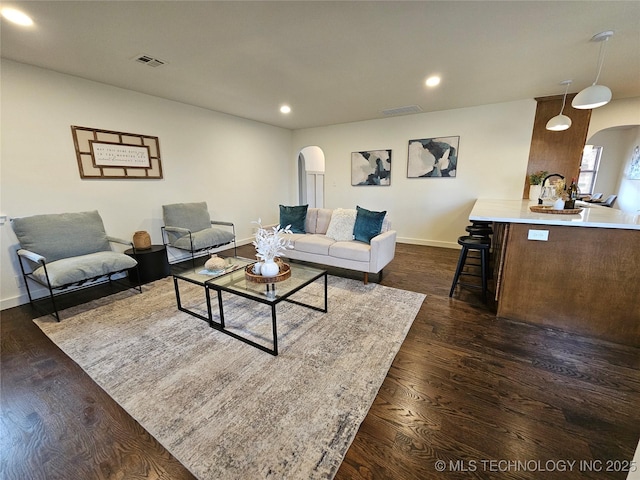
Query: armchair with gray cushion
{"x": 65, "y": 251}
{"x": 188, "y": 227}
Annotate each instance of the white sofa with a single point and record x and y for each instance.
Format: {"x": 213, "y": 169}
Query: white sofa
{"x": 316, "y": 247}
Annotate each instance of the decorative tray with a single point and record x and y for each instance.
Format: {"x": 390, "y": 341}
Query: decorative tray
{"x": 285, "y": 272}
{"x": 550, "y": 209}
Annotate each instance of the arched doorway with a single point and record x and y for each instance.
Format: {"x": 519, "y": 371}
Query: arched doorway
{"x": 311, "y": 176}
{"x": 617, "y": 172}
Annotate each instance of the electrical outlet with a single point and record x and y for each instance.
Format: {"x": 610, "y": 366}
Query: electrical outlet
{"x": 542, "y": 235}
{"x": 3, "y": 219}
{"x": 19, "y": 281}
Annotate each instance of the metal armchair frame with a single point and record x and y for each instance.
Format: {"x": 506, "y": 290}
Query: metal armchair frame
{"x": 27, "y": 275}
{"x": 185, "y": 231}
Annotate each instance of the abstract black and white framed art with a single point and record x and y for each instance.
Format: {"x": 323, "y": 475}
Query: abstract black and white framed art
{"x": 371, "y": 167}
{"x": 433, "y": 157}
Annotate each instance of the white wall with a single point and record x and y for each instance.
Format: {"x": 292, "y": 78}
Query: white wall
{"x": 629, "y": 190}
{"x": 492, "y": 163}
{"x": 611, "y": 160}
{"x": 243, "y": 169}
{"x": 617, "y": 147}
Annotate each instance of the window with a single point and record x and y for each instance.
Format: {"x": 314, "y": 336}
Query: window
{"x": 589, "y": 169}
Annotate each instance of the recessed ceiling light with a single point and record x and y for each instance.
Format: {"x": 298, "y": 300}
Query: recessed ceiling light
{"x": 432, "y": 81}
{"x": 16, "y": 16}
{"x": 285, "y": 109}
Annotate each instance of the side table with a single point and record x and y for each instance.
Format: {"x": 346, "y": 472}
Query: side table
{"x": 152, "y": 264}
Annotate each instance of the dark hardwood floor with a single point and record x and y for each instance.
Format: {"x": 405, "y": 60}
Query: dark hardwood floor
{"x": 489, "y": 398}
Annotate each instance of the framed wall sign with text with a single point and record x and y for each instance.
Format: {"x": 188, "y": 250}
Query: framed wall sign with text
{"x": 109, "y": 154}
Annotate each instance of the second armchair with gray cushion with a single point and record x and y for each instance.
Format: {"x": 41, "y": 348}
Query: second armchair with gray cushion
{"x": 188, "y": 227}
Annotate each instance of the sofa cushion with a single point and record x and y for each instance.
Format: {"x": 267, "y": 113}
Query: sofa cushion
{"x": 292, "y": 237}
{"x": 318, "y": 244}
{"x": 368, "y": 224}
{"x": 311, "y": 220}
{"x": 294, "y": 216}
{"x": 62, "y": 235}
{"x": 358, "y": 251}
{"x": 341, "y": 226}
{"x": 79, "y": 268}
{"x": 324, "y": 219}
{"x": 207, "y": 238}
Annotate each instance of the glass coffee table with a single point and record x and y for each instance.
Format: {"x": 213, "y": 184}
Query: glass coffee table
{"x": 200, "y": 276}
{"x": 266, "y": 293}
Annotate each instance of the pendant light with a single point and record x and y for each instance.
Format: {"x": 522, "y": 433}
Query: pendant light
{"x": 560, "y": 122}
{"x": 596, "y": 95}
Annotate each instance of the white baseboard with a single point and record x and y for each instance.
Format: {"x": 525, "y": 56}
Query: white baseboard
{"x": 14, "y": 301}
{"x": 428, "y": 243}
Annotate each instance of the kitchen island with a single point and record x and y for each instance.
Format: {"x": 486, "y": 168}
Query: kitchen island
{"x": 576, "y": 272}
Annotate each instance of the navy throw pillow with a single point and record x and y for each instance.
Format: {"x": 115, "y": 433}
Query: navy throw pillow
{"x": 294, "y": 216}
{"x": 368, "y": 224}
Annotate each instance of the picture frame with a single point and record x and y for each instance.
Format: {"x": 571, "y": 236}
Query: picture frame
{"x": 108, "y": 154}
{"x": 634, "y": 164}
{"x": 433, "y": 157}
{"x": 371, "y": 167}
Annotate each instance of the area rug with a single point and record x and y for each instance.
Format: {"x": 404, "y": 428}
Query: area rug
{"x": 225, "y": 409}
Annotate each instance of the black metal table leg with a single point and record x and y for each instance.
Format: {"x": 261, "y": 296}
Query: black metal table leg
{"x": 220, "y": 308}
{"x": 326, "y": 304}
{"x": 208, "y": 318}
{"x": 208, "y": 295}
{"x": 275, "y": 333}
{"x": 270, "y": 299}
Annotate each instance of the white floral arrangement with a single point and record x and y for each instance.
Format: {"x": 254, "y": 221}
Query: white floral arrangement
{"x": 270, "y": 243}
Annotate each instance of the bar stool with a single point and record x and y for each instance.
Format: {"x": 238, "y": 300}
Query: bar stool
{"x": 479, "y": 231}
{"x": 473, "y": 243}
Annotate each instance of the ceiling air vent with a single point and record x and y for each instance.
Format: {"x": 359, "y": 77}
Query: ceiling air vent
{"x": 149, "y": 60}
{"x": 402, "y": 110}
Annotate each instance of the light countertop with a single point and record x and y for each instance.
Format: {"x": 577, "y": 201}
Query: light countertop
{"x": 517, "y": 211}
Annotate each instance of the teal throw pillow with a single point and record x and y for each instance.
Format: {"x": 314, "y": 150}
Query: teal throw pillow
{"x": 368, "y": 224}
{"x": 294, "y": 216}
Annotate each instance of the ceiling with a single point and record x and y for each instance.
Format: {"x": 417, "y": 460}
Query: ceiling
{"x": 333, "y": 62}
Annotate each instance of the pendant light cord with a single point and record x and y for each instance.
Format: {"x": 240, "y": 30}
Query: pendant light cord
{"x": 601, "y": 59}
{"x": 566, "y": 90}
{"x": 564, "y": 99}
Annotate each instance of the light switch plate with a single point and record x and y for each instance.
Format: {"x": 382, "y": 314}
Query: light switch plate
{"x": 542, "y": 235}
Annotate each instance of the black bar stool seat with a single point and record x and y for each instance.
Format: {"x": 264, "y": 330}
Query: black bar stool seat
{"x": 473, "y": 243}
{"x": 479, "y": 231}
{"x": 481, "y": 223}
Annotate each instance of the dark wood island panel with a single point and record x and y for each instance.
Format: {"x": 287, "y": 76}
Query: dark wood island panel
{"x": 584, "y": 280}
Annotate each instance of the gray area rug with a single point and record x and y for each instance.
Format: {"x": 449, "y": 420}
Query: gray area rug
{"x": 225, "y": 409}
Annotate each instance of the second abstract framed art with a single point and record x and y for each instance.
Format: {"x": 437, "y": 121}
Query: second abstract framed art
{"x": 433, "y": 157}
